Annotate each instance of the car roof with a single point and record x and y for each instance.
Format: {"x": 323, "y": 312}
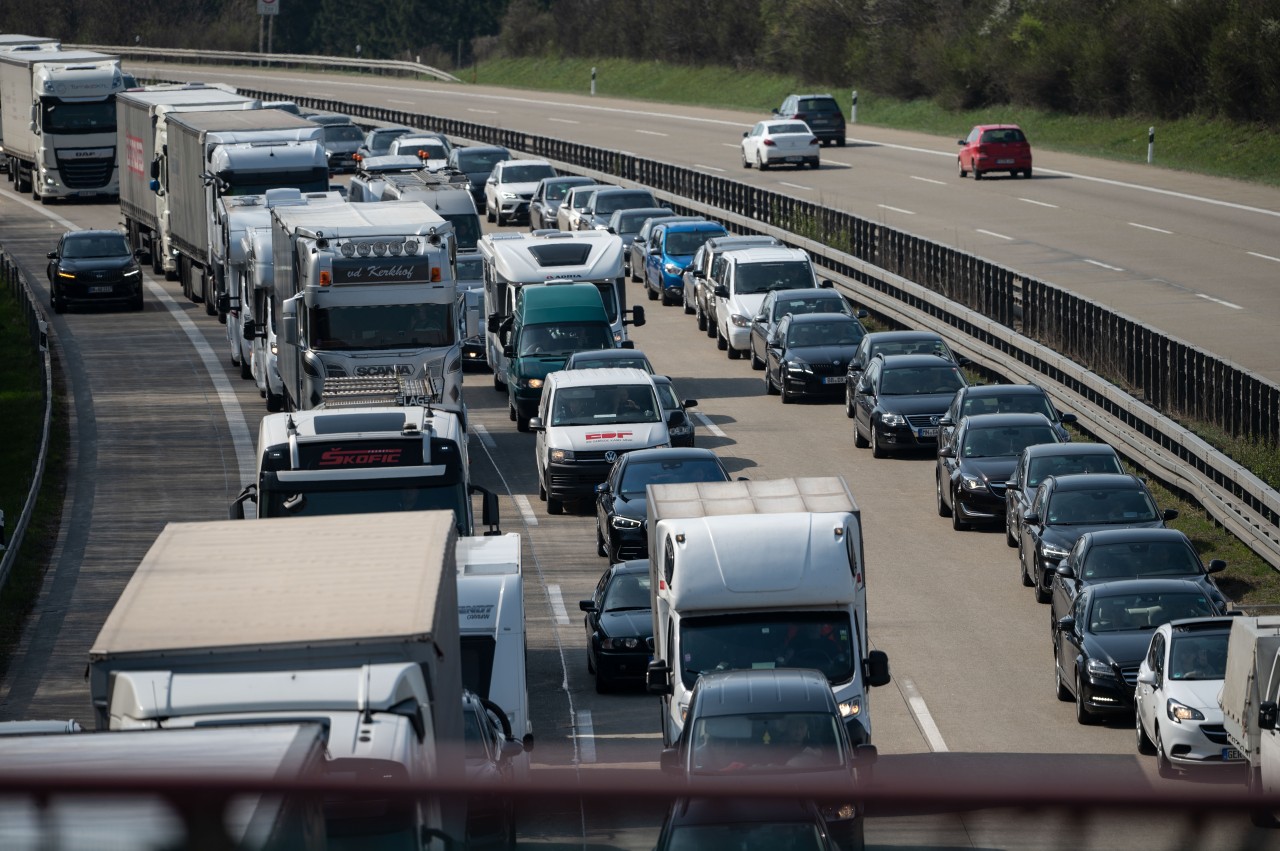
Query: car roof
{"x": 764, "y": 254}
{"x": 979, "y": 390}
{"x": 90, "y": 234}
{"x": 999, "y": 420}
{"x": 1059, "y": 449}
{"x": 908, "y": 361}
{"x": 654, "y": 212}
{"x": 473, "y": 149}
{"x": 763, "y": 690}
{"x": 631, "y": 566}
{"x": 878, "y": 336}
{"x": 681, "y": 453}
{"x": 691, "y": 226}
{"x": 595, "y": 377}
{"x": 525, "y": 162}
{"x": 996, "y": 127}
{"x": 1095, "y": 481}
{"x": 744, "y": 240}
{"x": 1134, "y": 536}
{"x": 815, "y": 95}
{"x": 607, "y": 354}
{"x": 1124, "y": 587}
{"x": 807, "y": 318}
{"x": 1222, "y": 624}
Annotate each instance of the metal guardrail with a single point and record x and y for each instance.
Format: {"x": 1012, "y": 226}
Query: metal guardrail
{"x": 232, "y": 57}
{"x": 37, "y": 328}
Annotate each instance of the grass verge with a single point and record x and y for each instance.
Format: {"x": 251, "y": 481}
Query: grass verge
{"x": 1202, "y": 145}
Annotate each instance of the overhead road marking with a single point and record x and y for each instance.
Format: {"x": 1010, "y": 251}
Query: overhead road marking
{"x": 1149, "y": 227}
{"x": 710, "y": 426}
{"x": 924, "y": 718}
{"x": 795, "y": 186}
{"x": 895, "y": 209}
{"x": 526, "y": 510}
{"x": 1103, "y": 265}
{"x": 996, "y": 235}
{"x": 557, "y": 605}
{"x": 586, "y": 736}
{"x": 564, "y": 121}
{"x": 929, "y": 180}
{"x": 1219, "y": 301}
{"x": 652, "y": 133}
{"x": 485, "y": 437}
{"x": 1264, "y": 256}
{"x": 707, "y": 167}
{"x": 1039, "y": 203}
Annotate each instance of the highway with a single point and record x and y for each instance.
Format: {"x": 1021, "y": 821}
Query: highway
{"x": 162, "y": 430}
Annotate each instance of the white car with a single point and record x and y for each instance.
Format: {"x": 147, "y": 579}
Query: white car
{"x": 1176, "y": 698}
{"x": 510, "y": 187}
{"x": 740, "y": 281}
{"x": 575, "y": 201}
{"x": 432, "y": 150}
{"x": 772, "y": 143}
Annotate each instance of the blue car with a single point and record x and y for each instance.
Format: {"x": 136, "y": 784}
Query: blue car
{"x": 675, "y": 244}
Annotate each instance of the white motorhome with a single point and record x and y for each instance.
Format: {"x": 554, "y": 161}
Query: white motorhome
{"x": 364, "y": 290}
{"x": 512, "y": 260}
{"x": 759, "y": 574}
{"x": 58, "y": 122}
{"x": 348, "y": 621}
{"x": 1249, "y": 698}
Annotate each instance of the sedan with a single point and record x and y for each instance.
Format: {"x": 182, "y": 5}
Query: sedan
{"x": 510, "y": 187}
{"x": 745, "y": 822}
{"x": 772, "y": 143}
{"x": 1050, "y": 459}
{"x": 994, "y": 147}
{"x": 626, "y": 225}
{"x": 899, "y": 400}
{"x": 547, "y": 197}
{"x": 893, "y": 343}
{"x": 488, "y": 751}
{"x": 779, "y": 303}
{"x": 621, "y": 500}
{"x": 1116, "y": 554}
{"x": 1003, "y": 399}
{"x": 973, "y": 469}
{"x": 1099, "y": 646}
{"x": 1066, "y": 507}
{"x": 619, "y": 626}
{"x": 94, "y": 267}
{"x": 1176, "y": 699}
{"x": 682, "y": 433}
{"x": 808, "y": 355}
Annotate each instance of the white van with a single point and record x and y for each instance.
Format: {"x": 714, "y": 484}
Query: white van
{"x": 740, "y": 281}
{"x": 586, "y": 419}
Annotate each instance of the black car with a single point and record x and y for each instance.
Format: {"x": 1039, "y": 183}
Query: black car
{"x": 547, "y": 197}
{"x": 1066, "y": 507}
{"x": 808, "y": 355}
{"x": 1003, "y": 399}
{"x": 94, "y": 267}
{"x": 619, "y": 626}
{"x": 778, "y": 303}
{"x": 377, "y": 142}
{"x": 974, "y": 467}
{"x": 1050, "y": 459}
{"x": 621, "y": 500}
{"x": 488, "y": 751}
{"x": 1099, "y": 646}
{"x": 682, "y": 433}
{"x": 477, "y": 164}
{"x": 1117, "y": 554}
{"x": 893, "y": 343}
{"x": 820, "y": 112}
{"x": 626, "y": 224}
{"x": 899, "y": 400}
{"x": 745, "y": 824}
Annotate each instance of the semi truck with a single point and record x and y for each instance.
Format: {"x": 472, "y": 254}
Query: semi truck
{"x": 365, "y": 291}
{"x": 228, "y": 152}
{"x": 759, "y": 574}
{"x": 1249, "y": 697}
{"x": 142, "y": 131}
{"x": 58, "y": 122}
{"x": 14, "y": 42}
{"x": 347, "y": 621}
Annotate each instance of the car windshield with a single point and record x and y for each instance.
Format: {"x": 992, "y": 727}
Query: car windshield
{"x": 606, "y": 404}
{"x": 481, "y": 160}
{"x": 526, "y": 173}
{"x": 834, "y": 333}
{"x": 793, "y": 127}
{"x": 921, "y": 380}
{"x": 1008, "y": 403}
{"x": 629, "y": 222}
{"x": 1198, "y": 656}
{"x": 107, "y": 245}
{"x": 631, "y": 362}
{"x": 1146, "y": 611}
{"x": 343, "y": 133}
{"x": 1066, "y": 465}
{"x": 469, "y": 267}
{"x": 750, "y": 836}
{"x": 622, "y": 200}
{"x": 909, "y": 347}
{"x": 379, "y": 141}
{"x": 627, "y": 592}
{"x": 818, "y": 105}
{"x": 821, "y": 640}
{"x": 765, "y": 742}
{"x": 809, "y": 304}
{"x": 687, "y": 242}
{"x": 1139, "y": 558}
{"x": 639, "y": 474}
{"x": 564, "y": 338}
{"x": 1100, "y": 506}
{"x": 782, "y": 275}
{"x": 582, "y": 199}
{"x": 1004, "y": 442}
{"x": 555, "y": 191}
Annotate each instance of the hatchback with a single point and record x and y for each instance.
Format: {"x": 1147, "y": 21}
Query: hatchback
{"x": 994, "y": 147}
{"x": 772, "y": 143}
{"x": 820, "y": 112}
{"x": 619, "y": 626}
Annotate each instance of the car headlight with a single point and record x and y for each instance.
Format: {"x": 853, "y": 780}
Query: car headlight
{"x": 893, "y": 420}
{"x": 617, "y": 337}
{"x": 1181, "y": 712}
{"x": 619, "y": 643}
{"x": 619, "y": 522}
{"x": 672, "y": 268}
{"x": 1051, "y": 552}
{"x": 799, "y": 366}
{"x": 133, "y": 273}
{"x": 973, "y": 483}
{"x": 740, "y": 320}
{"x": 1099, "y": 668}
{"x": 509, "y": 196}
{"x": 275, "y": 350}
{"x": 559, "y": 456}
{"x": 851, "y": 708}
{"x": 529, "y": 383}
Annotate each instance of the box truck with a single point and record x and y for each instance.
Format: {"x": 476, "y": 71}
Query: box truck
{"x": 1250, "y": 692}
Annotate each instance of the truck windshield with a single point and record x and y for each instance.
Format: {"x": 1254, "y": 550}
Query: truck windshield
{"x": 821, "y": 640}
{"x": 609, "y": 295}
{"x": 564, "y": 338}
{"x": 355, "y": 497}
{"x": 369, "y": 820}
{"x": 258, "y": 182}
{"x": 383, "y": 326}
{"x": 97, "y": 117}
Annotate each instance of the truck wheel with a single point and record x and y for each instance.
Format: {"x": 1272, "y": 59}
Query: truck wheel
{"x": 522, "y": 423}
{"x": 210, "y": 299}
{"x": 1259, "y": 817}
{"x": 275, "y": 402}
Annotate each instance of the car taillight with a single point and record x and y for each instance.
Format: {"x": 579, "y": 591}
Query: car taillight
{"x": 800, "y": 116}
{"x": 813, "y": 140}
{"x": 769, "y": 142}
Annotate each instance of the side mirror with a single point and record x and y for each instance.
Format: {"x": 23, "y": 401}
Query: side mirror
{"x": 720, "y": 291}
{"x": 876, "y": 668}
{"x": 960, "y": 141}
{"x": 603, "y": 487}
{"x": 961, "y": 360}
{"x": 864, "y": 386}
{"x": 493, "y": 324}
{"x": 744, "y": 134}
{"x": 1065, "y": 570}
{"x": 1030, "y": 517}
{"x": 139, "y": 253}
{"x": 250, "y": 330}
{"x": 946, "y": 452}
{"x": 511, "y": 749}
{"x": 657, "y": 678}
{"x": 826, "y": 284}
{"x": 1216, "y": 566}
{"x": 1012, "y": 484}
{"x": 155, "y": 169}
{"x": 1170, "y": 514}
{"x": 861, "y": 313}
{"x": 535, "y": 424}
{"x": 1267, "y": 715}
{"x": 1067, "y": 418}
{"x": 676, "y": 418}
{"x": 1146, "y": 676}
{"x": 587, "y": 605}
{"x": 946, "y": 420}
{"x": 670, "y": 759}
{"x": 1067, "y": 624}
{"x": 693, "y": 403}
{"x": 637, "y": 316}
{"x": 508, "y": 351}
{"x": 52, "y": 255}
{"x": 627, "y": 344}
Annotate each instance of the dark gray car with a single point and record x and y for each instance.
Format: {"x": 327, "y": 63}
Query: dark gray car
{"x": 477, "y": 164}
{"x": 341, "y": 141}
{"x": 607, "y": 201}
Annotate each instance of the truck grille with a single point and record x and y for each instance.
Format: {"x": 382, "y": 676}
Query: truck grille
{"x": 86, "y": 173}
{"x": 585, "y": 480}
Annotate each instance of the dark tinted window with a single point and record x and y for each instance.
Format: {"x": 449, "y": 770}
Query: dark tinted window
{"x": 819, "y": 105}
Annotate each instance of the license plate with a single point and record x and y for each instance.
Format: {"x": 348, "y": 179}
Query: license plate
{"x": 99, "y": 289}
{"x": 794, "y": 159}
{"x": 927, "y": 432}
{"x": 1231, "y": 755}
{"x": 833, "y": 379}
{"x": 1004, "y": 162}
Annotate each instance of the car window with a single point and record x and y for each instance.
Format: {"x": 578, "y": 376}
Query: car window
{"x": 687, "y": 242}
{"x": 1147, "y": 610}
{"x": 826, "y": 105}
{"x": 809, "y": 304}
{"x": 628, "y": 591}
{"x": 794, "y": 127}
{"x": 832, "y": 333}
{"x": 1007, "y": 135}
{"x": 775, "y": 275}
{"x": 667, "y": 397}
{"x": 526, "y": 173}
{"x": 1099, "y": 506}
{"x": 1127, "y": 560}
{"x": 921, "y": 380}
{"x": 1009, "y": 403}
{"x": 765, "y": 742}
{"x": 481, "y": 160}
{"x": 342, "y": 133}
{"x": 670, "y": 471}
{"x": 1004, "y": 441}
{"x": 1198, "y": 656}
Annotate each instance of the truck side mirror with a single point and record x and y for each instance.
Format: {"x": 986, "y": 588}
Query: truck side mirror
{"x": 637, "y": 316}
{"x": 627, "y": 344}
{"x": 289, "y": 325}
{"x": 1267, "y": 715}
{"x": 488, "y": 509}
{"x": 250, "y": 329}
{"x": 876, "y": 668}
{"x": 492, "y": 324}
{"x": 670, "y": 759}
{"x": 657, "y": 678}
{"x": 249, "y": 494}
{"x": 508, "y": 351}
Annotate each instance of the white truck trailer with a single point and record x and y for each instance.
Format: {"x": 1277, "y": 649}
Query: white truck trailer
{"x": 229, "y": 152}
{"x": 365, "y": 291}
{"x": 759, "y": 574}
{"x": 58, "y": 122}
{"x": 142, "y": 131}
{"x": 348, "y": 621}
{"x": 1249, "y": 697}
{"x": 11, "y": 43}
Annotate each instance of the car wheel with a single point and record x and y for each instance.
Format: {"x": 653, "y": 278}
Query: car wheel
{"x": 57, "y": 302}
{"x": 813, "y": 163}
{"x": 498, "y": 383}
{"x": 554, "y": 506}
{"x": 1022, "y": 569}
{"x": 1259, "y": 817}
{"x": 943, "y": 510}
{"x": 848, "y": 401}
{"x": 722, "y": 342}
{"x": 712, "y": 328}
{"x": 977, "y": 175}
{"x": 756, "y": 363}
{"x": 688, "y": 307}
{"x": 1009, "y": 539}
{"x": 746, "y": 163}
{"x": 522, "y": 423}
{"x": 246, "y": 370}
{"x": 1026, "y": 172}
{"x": 591, "y": 666}
{"x": 1083, "y": 715}
{"x": 601, "y": 549}
{"x": 876, "y": 450}
{"x": 648, "y": 290}
{"x": 734, "y": 354}
{"x": 700, "y": 318}
{"x": 763, "y": 165}
{"x": 275, "y": 402}
{"x": 956, "y": 523}
{"x": 858, "y": 440}
{"x": 769, "y": 389}
{"x": 488, "y": 213}
{"x": 1145, "y": 745}
{"x": 1163, "y": 767}
{"x": 787, "y": 396}
{"x": 1042, "y": 593}
{"x": 1064, "y": 694}
{"x": 960, "y": 168}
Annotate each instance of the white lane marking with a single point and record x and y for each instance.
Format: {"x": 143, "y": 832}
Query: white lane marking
{"x": 895, "y": 209}
{"x": 482, "y": 111}
{"x": 564, "y": 121}
{"x": 707, "y": 167}
{"x": 993, "y": 233}
{"x": 558, "y": 610}
{"x": 929, "y": 180}
{"x": 836, "y": 162}
{"x": 526, "y": 510}
{"x": 405, "y": 102}
{"x": 652, "y": 133}
{"x": 1103, "y": 265}
{"x": 795, "y": 186}
{"x": 710, "y": 426}
{"x": 1264, "y": 256}
{"x": 1149, "y": 227}
{"x": 1039, "y": 203}
{"x": 924, "y": 719}
{"x": 586, "y": 735}
{"x": 485, "y": 437}
{"x": 1219, "y": 301}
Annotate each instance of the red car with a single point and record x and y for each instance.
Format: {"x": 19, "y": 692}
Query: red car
{"x": 994, "y": 147}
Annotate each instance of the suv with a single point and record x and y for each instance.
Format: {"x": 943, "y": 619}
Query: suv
{"x": 741, "y": 281}
{"x": 820, "y": 112}
{"x": 697, "y": 275}
{"x": 510, "y": 187}
{"x": 547, "y": 197}
{"x": 477, "y": 164}
{"x": 899, "y": 400}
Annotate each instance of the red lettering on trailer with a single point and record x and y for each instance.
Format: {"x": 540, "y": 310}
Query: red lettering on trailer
{"x": 609, "y": 435}
{"x": 359, "y": 457}
{"x": 133, "y": 155}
